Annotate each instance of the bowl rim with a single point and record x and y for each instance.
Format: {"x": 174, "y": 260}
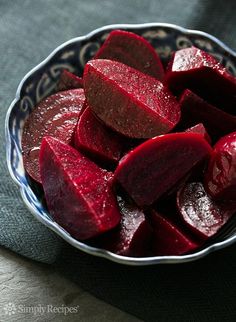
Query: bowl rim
{"x": 134, "y": 261}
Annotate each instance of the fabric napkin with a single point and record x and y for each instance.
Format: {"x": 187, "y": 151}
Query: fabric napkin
{"x": 29, "y": 31}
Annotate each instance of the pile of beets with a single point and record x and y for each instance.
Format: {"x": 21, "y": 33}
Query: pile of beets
{"x": 133, "y": 158}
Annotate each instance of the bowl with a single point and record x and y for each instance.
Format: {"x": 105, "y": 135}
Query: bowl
{"x": 72, "y": 55}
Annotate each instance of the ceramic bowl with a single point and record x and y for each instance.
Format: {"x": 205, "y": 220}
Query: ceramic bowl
{"x": 72, "y": 55}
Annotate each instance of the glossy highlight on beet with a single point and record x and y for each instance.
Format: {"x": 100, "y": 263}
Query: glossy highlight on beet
{"x": 96, "y": 139}
{"x": 194, "y": 69}
{"x": 168, "y": 238}
{"x": 132, "y": 237}
{"x": 220, "y": 176}
{"x": 157, "y": 165}
{"x": 78, "y": 193}
{"x": 130, "y": 102}
{"x": 200, "y": 212}
{"x": 132, "y": 50}
{"x": 57, "y": 116}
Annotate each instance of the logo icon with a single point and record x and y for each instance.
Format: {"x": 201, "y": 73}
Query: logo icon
{"x": 10, "y": 309}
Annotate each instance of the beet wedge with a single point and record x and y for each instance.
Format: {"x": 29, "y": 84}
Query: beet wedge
{"x": 220, "y": 176}
{"x": 132, "y": 50}
{"x": 200, "y": 72}
{"x": 68, "y": 80}
{"x": 201, "y": 214}
{"x": 200, "y": 128}
{"x": 57, "y": 116}
{"x": 154, "y": 167}
{"x": 78, "y": 193}
{"x": 94, "y": 138}
{"x": 196, "y": 110}
{"x": 130, "y": 102}
{"x": 132, "y": 237}
{"x": 168, "y": 239}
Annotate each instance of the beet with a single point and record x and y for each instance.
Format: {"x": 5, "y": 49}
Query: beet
{"x": 130, "y": 102}
{"x": 57, "y": 115}
{"x": 168, "y": 239}
{"x": 198, "y": 71}
{"x": 78, "y": 193}
{"x": 196, "y": 110}
{"x": 154, "y": 167}
{"x": 69, "y": 81}
{"x": 132, "y": 50}
{"x": 96, "y": 139}
{"x": 200, "y": 128}
{"x": 200, "y": 212}
{"x": 132, "y": 237}
{"x": 220, "y": 177}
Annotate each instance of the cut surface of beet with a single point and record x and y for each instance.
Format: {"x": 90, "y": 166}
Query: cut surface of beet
{"x": 168, "y": 239}
{"x": 199, "y": 128}
{"x": 78, "y": 193}
{"x": 196, "y": 110}
{"x": 132, "y": 237}
{"x": 132, "y": 50}
{"x": 154, "y": 167}
{"x": 96, "y": 139}
{"x": 220, "y": 177}
{"x": 130, "y": 102}
{"x": 200, "y": 72}
{"x": 69, "y": 81}
{"x": 57, "y": 116}
{"x": 200, "y": 212}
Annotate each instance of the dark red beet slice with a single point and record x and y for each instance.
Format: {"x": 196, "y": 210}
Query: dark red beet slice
{"x": 154, "y": 167}
{"x": 78, "y": 193}
{"x": 57, "y": 115}
{"x": 198, "y": 71}
{"x": 130, "y": 102}
{"x": 199, "y": 128}
{"x": 132, "y": 237}
{"x": 132, "y": 50}
{"x": 202, "y": 215}
{"x": 220, "y": 177}
{"x": 196, "y": 110}
{"x": 69, "y": 81}
{"x": 168, "y": 239}
{"x": 96, "y": 139}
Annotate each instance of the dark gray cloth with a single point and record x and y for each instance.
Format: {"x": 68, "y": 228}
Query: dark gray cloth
{"x": 29, "y": 31}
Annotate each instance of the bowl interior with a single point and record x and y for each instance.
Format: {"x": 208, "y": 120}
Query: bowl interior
{"x": 72, "y": 55}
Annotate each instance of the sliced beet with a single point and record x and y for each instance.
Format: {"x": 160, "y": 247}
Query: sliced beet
{"x": 132, "y": 50}
{"x": 154, "y": 167}
{"x": 220, "y": 177}
{"x": 130, "y": 102}
{"x": 96, "y": 139}
{"x": 78, "y": 193}
{"x": 196, "y": 110}
{"x": 200, "y": 212}
{"x": 57, "y": 115}
{"x": 168, "y": 239}
{"x": 69, "y": 81}
{"x": 200, "y": 128}
{"x": 200, "y": 72}
{"x": 132, "y": 237}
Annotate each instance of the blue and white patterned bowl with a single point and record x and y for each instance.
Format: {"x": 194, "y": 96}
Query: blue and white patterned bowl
{"x": 72, "y": 55}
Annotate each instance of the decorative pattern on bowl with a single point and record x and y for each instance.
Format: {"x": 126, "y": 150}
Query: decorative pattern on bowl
{"x": 72, "y": 55}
